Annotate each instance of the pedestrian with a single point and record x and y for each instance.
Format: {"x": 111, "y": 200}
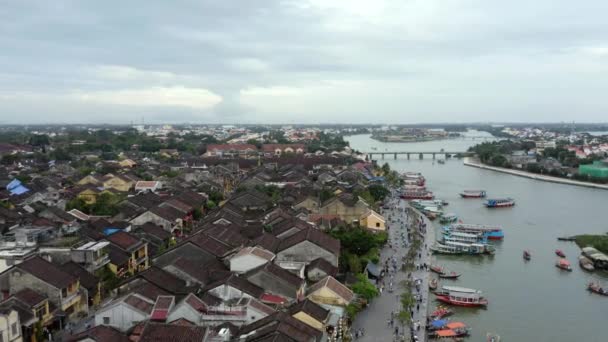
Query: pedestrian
{"x": 417, "y": 307}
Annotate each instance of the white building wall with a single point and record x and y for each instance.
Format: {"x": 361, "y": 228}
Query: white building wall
{"x": 122, "y": 317}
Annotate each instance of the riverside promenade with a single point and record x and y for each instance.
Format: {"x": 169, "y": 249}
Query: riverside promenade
{"x": 475, "y": 163}
{"x": 375, "y": 320}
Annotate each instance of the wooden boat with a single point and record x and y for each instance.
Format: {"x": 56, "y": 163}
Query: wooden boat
{"x": 473, "y": 194}
{"x": 586, "y": 263}
{"x": 440, "y": 312}
{"x": 499, "y": 203}
{"x": 559, "y": 253}
{"x": 492, "y": 337}
{"x": 437, "y": 269}
{"x": 564, "y": 265}
{"x": 527, "y": 255}
{"x": 433, "y": 284}
{"x": 451, "y": 275}
{"x": 451, "y": 333}
{"x": 596, "y": 288}
{"x": 567, "y": 238}
{"x": 461, "y": 296}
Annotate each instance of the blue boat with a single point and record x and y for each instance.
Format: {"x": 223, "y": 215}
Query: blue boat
{"x": 499, "y": 203}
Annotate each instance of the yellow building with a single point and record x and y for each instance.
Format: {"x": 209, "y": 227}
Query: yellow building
{"x": 331, "y": 292}
{"x": 90, "y": 179}
{"x": 311, "y": 314}
{"x": 127, "y": 163}
{"x": 373, "y": 220}
{"x": 119, "y": 183}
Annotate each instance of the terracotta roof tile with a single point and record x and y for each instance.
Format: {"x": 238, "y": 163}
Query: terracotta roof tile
{"x": 30, "y": 297}
{"x": 47, "y": 272}
{"x": 154, "y": 332}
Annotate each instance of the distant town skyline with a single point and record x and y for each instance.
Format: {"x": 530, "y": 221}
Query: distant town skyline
{"x": 304, "y": 62}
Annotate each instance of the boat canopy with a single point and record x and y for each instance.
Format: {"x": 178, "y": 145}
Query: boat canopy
{"x": 460, "y": 289}
{"x": 446, "y": 333}
{"x": 564, "y": 262}
{"x": 456, "y": 325}
{"x": 439, "y": 323}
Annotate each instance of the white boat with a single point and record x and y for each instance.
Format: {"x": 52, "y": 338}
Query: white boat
{"x": 463, "y": 237}
{"x": 461, "y": 296}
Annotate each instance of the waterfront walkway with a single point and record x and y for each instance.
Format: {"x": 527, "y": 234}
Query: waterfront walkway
{"x": 375, "y": 320}
{"x": 475, "y": 163}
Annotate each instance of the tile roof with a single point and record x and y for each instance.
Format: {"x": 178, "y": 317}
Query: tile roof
{"x": 100, "y": 333}
{"x": 313, "y": 235}
{"x": 177, "y": 204}
{"x": 139, "y": 303}
{"x": 167, "y": 212}
{"x": 311, "y": 308}
{"x": 257, "y": 251}
{"x": 47, "y": 272}
{"x": 155, "y": 230}
{"x": 87, "y": 280}
{"x": 335, "y": 286}
{"x": 125, "y": 241}
{"x": 230, "y": 147}
{"x": 163, "y": 304}
{"x": 324, "y": 266}
{"x": 150, "y": 291}
{"x": 283, "y": 323}
{"x": 238, "y": 283}
{"x": 164, "y": 280}
{"x": 154, "y": 332}
{"x": 278, "y": 273}
{"x": 210, "y": 245}
{"x": 30, "y": 297}
{"x": 203, "y": 272}
{"x": 267, "y": 241}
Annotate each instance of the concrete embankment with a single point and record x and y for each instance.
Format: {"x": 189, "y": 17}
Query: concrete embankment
{"x": 474, "y": 163}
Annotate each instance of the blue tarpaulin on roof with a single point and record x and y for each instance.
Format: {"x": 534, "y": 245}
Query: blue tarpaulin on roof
{"x": 439, "y": 323}
{"x": 19, "y": 190}
{"x": 13, "y": 184}
{"x": 110, "y": 230}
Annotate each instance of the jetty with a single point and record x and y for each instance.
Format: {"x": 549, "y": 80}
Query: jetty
{"x": 474, "y": 163}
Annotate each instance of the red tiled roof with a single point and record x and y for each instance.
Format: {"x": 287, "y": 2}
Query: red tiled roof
{"x": 230, "y": 147}
{"x": 124, "y": 240}
{"x": 100, "y": 333}
{"x": 273, "y": 299}
{"x": 154, "y": 332}
{"x": 139, "y": 303}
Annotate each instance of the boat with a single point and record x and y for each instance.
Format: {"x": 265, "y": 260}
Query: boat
{"x": 451, "y": 330}
{"x": 567, "y": 238}
{"x": 450, "y": 275}
{"x": 499, "y": 203}
{"x": 433, "y": 284}
{"x": 463, "y": 237}
{"x": 597, "y": 288}
{"x": 423, "y": 194}
{"x": 586, "y": 263}
{"x": 473, "y": 194}
{"x": 448, "y": 218}
{"x": 559, "y": 253}
{"x": 490, "y": 232}
{"x": 527, "y": 255}
{"x": 461, "y": 296}
{"x": 492, "y": 337}
{"x": 437, "y": 269}
{"x": 440, "y": 312}
{"x": 441, "y": 161}
{"x": 413, "y": 178}
{"x": 460, "y": 248}
{"x": 564, "y": 265}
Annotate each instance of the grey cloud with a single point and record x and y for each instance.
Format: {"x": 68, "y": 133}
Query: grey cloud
{"x": 390, "y": 60}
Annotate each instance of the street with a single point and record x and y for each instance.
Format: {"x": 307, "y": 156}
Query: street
{"x": 379, "y": 321}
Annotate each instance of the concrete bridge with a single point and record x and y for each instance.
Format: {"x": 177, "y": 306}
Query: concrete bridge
{"x": 446, "y": 154}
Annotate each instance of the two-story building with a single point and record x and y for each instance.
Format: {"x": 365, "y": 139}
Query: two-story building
{"x": 135, "y": 250}
{"x": 62, "y": 289}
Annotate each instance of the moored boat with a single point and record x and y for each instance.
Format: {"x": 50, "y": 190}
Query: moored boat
{"x": 449, "y": 275}
{"x": 437, "y": 269}
{"x": 527, "y": 255}
{"x": 461, "y": 296}
{"x": 440, "y": 312}
{"x": 559, "y": 253}
{"x": 473, "y": 194}
{"x": 490, "y": 232}
{"x": 448, "y": 218}
{"x": 586, "y": 263}
{"x": 460, "y": 248}
{"x": 564, "y": 265}
{"x": 441, "y": 161}
{"x": 427, "y": 195}
{"x": 597, "y": 288}
{"x": 499, "y": 203}
{"x": 463, "y": 237}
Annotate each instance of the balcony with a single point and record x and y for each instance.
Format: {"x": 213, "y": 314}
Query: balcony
{"x": 70, "y": 300}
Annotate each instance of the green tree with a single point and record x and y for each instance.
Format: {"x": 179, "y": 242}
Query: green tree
{"x": 364, "y": 288}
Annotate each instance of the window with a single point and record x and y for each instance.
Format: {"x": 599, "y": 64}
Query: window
{"x": 40, "y": 312}
{"x": 377, "y": 224}
{"x": 14, "y": 330}
{"x": 64, "y": 292}
{"x": 106, "y": 320}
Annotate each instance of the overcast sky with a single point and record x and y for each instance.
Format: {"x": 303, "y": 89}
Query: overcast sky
{"x": 303, "y": 61}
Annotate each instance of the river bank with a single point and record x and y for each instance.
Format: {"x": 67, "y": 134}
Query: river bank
{"x": 474, "y": 163}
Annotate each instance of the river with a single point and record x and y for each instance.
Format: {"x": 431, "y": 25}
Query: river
{"x": 531, "y": 301}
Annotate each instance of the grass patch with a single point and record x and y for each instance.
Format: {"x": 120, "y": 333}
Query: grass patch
{"x": 599, "y": 242}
